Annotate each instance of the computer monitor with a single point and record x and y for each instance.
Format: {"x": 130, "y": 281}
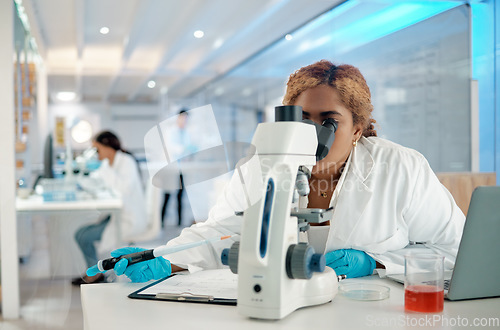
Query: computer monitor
{"x": 48, "y": 158}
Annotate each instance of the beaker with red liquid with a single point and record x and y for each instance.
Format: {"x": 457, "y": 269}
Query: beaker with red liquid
{"x": 424, "y": 283}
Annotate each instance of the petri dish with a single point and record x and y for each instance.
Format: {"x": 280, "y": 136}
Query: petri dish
{"x": 364, "y": 291}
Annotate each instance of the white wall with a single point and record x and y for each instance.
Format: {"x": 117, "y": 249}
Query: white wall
{"x": 129, "y": 122}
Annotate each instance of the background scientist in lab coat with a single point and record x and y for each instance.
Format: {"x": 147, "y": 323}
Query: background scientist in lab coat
{"x": 179, "y": 145}
{"x": 386, "y": 196}
{"x": 119, "y": 172}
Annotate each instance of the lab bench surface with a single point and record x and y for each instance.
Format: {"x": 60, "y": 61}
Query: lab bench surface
{"x": 36, "y": 204}
{"x": 106, "y": 306}
{"x": 64, "y": 218}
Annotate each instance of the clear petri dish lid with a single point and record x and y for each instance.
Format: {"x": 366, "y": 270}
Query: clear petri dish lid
{"x": 364, "y": 291}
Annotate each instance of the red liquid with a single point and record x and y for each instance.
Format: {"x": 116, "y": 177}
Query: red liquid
{"x": 424, "y": 298}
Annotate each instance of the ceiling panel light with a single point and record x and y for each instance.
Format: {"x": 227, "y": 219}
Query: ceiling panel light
{"x": 218, "y": 43}
{"x": 151, "y": 84}
{"x": 104, "y": 30}
{"x": 66, "y": 96}
{"x": 198, "y": 34}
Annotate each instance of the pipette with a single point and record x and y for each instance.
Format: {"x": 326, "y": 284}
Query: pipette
{"x": 145, "y": 255}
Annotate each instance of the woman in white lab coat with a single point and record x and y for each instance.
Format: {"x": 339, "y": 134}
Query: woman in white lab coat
{"x": 387, "y": 199}
{"x": 120, "y": 173}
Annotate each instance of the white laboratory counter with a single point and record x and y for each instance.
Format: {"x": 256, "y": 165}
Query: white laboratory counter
{"x": 64, "y": 219}
{"x": 106, "y": 306}
{"x": 37, "y": 204}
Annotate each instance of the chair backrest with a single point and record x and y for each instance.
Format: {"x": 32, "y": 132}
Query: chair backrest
{"x": 462, "y": 184}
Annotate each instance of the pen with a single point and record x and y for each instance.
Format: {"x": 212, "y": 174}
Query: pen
{"x": 185, "y": 296}
{"x": 145, "y": 255}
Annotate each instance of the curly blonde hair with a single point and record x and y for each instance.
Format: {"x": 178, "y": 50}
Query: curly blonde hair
{"x": 346, "y": 79}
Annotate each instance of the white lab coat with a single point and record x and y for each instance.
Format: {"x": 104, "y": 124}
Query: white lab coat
{"x": 123, "y": 178}
{"x": 389, "y": 198}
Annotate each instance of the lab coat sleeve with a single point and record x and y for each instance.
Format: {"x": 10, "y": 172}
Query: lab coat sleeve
{"x": 244, "y": 188}
{"x": 221, "y": 221}
{"x": 122, "y": 177}
{"x": 109, "y": 176}
{"x": 433, "y": 220}
{"x": 102, "y": 172}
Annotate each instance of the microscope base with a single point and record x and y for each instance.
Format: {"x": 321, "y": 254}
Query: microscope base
{"x": 320, "y": 289}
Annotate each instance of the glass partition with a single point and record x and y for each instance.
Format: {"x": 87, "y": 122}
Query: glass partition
{"x": 404, "y": 51}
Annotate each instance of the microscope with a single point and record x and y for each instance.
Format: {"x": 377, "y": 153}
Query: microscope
{"x": 277, "y": 274}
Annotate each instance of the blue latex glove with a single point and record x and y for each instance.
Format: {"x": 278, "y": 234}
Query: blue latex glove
{"x": 93, "y": 271}
{"x": 349, "y": 262}
{"x": 154, "y": 269}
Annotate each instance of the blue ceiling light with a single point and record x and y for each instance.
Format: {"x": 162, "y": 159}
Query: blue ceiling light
{"x": 390, "y": 20}
{"x": 361, "y": 23}
{"x": 346, "y": 27}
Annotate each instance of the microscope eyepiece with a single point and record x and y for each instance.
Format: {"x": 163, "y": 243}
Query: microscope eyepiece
{"x": 288, "y": 113}
{"x": 325, "y": 134}
{"x": 331, "y": 124}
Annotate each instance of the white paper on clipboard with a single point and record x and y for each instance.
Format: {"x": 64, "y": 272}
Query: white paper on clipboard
{"x": 220, "y": 283}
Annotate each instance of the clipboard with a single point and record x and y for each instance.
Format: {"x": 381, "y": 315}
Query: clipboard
{"x": 184, "y": 296}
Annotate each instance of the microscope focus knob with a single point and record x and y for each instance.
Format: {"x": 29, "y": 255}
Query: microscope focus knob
{"x": 301, "y": 261}
{"x": 318, "y": 262}
{"x": 229, "y": 257}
